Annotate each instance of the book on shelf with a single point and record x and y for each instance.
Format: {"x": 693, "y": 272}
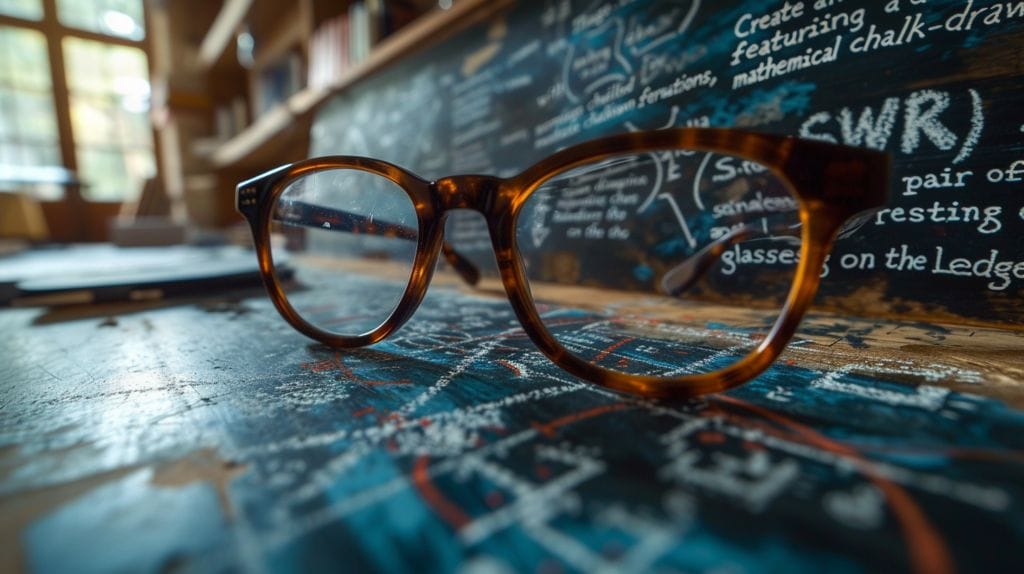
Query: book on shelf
{"x": 231, "y": 118}
{"x": 348, "y": 38}
{"x": 279, "y": 81}
{"x": 329, "y": 51}
{"x": 359, "y": 33}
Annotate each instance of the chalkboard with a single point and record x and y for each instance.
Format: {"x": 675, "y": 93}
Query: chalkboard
{"x": 936, "y": 84}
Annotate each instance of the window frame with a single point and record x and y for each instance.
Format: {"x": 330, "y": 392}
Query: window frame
{"x": 73, "y": 202}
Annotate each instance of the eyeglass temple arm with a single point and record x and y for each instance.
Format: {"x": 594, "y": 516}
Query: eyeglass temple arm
{"x": 684, "y": 275}
{"x": 301, "y": 213}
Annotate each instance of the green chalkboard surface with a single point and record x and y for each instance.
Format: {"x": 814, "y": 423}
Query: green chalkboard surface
{"x": 936, "y": 84}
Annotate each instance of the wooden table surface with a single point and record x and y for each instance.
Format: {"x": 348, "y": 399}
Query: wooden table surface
{"x": 208, "y": 435}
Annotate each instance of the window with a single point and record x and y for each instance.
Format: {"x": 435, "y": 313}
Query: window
{"x": 121, "y": 18}
{"x": 28, "y": 133}
{"x": 108, "y": 89}
{"x": 105, "y": 136}
{"x": 28, "y": 9}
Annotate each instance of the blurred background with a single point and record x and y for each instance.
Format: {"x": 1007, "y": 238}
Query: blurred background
{"x": 130, "y": 121}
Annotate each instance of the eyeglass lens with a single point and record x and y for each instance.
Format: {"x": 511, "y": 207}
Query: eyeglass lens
{"x": 665, "y": 263}
{"x": 351, "y": 238}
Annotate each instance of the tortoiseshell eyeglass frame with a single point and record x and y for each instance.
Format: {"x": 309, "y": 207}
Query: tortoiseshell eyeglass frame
{"x": 832, "y": 183}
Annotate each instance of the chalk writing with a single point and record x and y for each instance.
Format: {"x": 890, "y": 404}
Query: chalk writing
{"x": 923, "y": 81}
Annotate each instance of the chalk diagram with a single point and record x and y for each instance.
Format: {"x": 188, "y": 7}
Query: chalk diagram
{"x": 455, "y": 446}
{"x": 598, "y": 56}
{"x": 392, "y": 111}
{"x": 484, "y": 444}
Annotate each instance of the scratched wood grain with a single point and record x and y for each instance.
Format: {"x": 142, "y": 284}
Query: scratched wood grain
{"x": 208, "y": 435}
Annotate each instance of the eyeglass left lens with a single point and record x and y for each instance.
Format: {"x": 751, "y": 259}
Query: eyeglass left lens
{"x": 351, "y": 238}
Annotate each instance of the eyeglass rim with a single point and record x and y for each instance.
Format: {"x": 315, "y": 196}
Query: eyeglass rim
{"x": 267, "y": 188}
{"x": 830, "y": 182}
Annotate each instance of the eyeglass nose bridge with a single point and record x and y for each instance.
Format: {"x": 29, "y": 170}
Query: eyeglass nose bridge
{"x": 477, "y": 192}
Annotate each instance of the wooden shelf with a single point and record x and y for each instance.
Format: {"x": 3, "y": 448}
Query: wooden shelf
{"x": 255, "y": 145}
{"x": 230, "y": 17}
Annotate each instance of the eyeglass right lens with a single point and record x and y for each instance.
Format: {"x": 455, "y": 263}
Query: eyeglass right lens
{"x": 665, "y": 263}
{"x": 350, "y": 237}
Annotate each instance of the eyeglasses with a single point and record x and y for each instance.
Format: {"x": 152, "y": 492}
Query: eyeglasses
{"x": 669, "y": 263}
